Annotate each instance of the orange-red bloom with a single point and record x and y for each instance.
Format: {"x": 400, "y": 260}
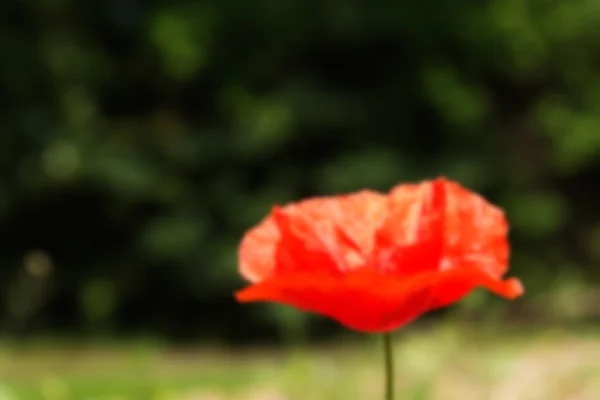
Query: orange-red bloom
{"x": 375, "y": 262}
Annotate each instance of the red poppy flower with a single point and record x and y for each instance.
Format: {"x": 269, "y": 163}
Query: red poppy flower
{"x": 375, "y": 262}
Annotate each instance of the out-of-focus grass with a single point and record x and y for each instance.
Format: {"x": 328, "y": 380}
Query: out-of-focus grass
{"x": 446, "y": 363}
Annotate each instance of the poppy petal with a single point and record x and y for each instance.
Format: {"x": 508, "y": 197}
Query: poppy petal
{"x": 405, "y": 204}
{"x": 455, "y": 284}
{"x": 475, "y": 232}
{"x": 257, "y": 249}
{"x": 351, "y": 219}
{"x": 368, "y": 302}
{"x": 301, "y": 248}
{"x": 424, "y": 237}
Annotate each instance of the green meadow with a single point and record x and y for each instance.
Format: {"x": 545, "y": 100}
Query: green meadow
{"x": 446, "y": 363}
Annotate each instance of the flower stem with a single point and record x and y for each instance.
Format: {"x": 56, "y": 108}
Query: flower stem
{"x": 389, "y": 366}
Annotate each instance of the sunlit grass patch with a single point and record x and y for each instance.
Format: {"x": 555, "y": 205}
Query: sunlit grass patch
{"x": 446, "y": 363}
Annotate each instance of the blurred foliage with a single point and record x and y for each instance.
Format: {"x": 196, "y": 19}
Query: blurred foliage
{"x": 140, "y": 139}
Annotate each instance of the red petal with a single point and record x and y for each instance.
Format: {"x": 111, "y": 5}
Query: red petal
{"x": 368, "y": 301}
{"x": 364, "y": 301}
{"x": 411, "y": 240}
{"x": 359, "y": 215}
{"x": 475, "y": 232}
{"x": 257, "y": 250}
{"x": 348, "y": 220}
{"x": 301, "y": 248}
{"x": 455, "y": 284}
{"x": 402, "y": 223}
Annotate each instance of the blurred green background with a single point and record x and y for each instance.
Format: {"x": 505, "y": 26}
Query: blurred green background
{"x": 140, "y": 139}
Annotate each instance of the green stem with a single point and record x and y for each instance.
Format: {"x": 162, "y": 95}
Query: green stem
{"x": 389, "y": 366}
